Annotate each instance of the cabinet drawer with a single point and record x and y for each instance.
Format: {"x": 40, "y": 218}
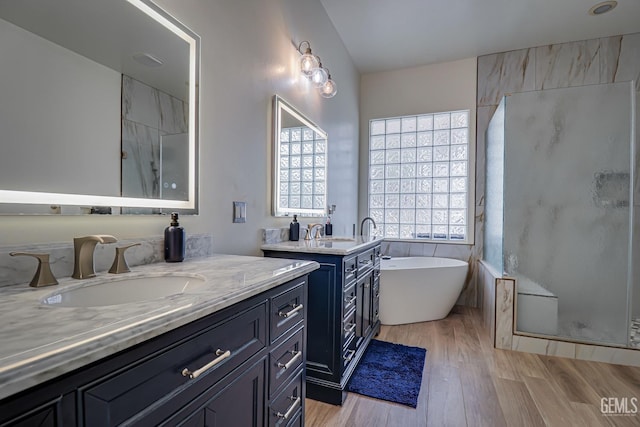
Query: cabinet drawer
{"x": 348, "y": 327}
{"x": 365, "y": 261}
{"x": 349, "y": 300}
{"x": 285, "y": 360}
{"x": 285, "y": 408}
{"x": 287, "y": 310}
{"x": 348, "y": 352}
{"x": 133, "y": 389}
{"x": 349, "y": 269}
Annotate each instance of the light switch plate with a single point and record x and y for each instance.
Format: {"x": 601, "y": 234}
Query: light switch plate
{"x": 239, "y": 211}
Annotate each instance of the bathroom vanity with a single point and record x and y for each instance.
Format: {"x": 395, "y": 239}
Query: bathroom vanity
{"x": 342, "y": 316}
{"x": 230, "y": 353}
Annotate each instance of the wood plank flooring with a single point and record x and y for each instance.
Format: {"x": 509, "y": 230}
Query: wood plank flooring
{"x": 466, "y": 382}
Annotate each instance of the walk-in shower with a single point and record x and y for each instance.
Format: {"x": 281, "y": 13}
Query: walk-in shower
{"x": 561, "y": 169}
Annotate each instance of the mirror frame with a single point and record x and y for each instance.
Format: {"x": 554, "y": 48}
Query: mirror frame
{"x": 191, "y": 204}
{"x": 280, "y": 105}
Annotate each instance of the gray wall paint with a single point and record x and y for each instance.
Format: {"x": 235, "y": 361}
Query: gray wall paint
{"x": 247, "y": 57}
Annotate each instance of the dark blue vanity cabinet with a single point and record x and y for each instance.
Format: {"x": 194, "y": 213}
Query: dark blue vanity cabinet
{"x": 259, "y": 380}
{"x": 342, "y": 317}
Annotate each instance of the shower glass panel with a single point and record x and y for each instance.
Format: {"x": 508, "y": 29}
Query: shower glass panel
{"x": 494, "y": 190}
{"x": 174, "y": 166}
{"x": 566, "y": 238}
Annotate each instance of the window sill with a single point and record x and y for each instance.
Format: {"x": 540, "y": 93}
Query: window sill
{"x": 432, "y": 242}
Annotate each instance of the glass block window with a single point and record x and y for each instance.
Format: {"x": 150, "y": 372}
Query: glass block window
{"x": 419, "y": 176}
{"x": 302, "y": 169}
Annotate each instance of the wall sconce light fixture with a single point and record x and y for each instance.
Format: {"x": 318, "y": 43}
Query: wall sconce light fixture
{"x": 311, "y": 67}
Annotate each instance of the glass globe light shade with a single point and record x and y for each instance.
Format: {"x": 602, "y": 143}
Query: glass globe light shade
{"x": 319, "y": 76}
{"x": 329, "y": 89}
{"x": 308, "y": 63}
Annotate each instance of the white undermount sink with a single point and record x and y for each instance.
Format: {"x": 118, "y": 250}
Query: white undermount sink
{"x": 337, "y": 239}
{"x": 124, "y": 291}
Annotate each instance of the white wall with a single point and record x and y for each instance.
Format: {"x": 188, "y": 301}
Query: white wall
{"x": 247, "y": 57}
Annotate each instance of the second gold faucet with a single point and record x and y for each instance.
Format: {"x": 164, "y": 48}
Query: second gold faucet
{"x": 83, "y": 248}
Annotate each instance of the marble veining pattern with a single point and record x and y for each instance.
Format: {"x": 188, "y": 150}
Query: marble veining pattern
{"x": 621, "y": 59}
{"x": 502, "y": 73}
{"x": 543, "y": 346}
{"x": 141, "y": 164}
{"x": 42, "y": 342}
{"x": 505, "y": 289}
{"x": 275, "y": 235}
{"x": 20, "y": 270}
{"x": 567, "y": 64}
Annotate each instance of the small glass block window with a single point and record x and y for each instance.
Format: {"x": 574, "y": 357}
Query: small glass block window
{"x": 302, "y": 168}
{"x": 419, "y": 176}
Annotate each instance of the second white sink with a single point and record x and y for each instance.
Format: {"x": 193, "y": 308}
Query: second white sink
{"x": 337, "y": 239}
{"x": 124, "y": 291}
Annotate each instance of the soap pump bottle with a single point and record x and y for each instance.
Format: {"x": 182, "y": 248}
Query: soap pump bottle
{"x": 294, "y": 229}
{"x": 174, "y": 238}
{"x": 328, "y": 227}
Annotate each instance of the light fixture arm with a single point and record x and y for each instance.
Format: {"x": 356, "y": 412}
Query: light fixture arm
{"x": 307, "y": 50}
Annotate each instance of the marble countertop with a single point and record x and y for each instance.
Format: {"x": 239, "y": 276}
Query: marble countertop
{"x": 40, "y": 342}
{"x": 331, "y": 245}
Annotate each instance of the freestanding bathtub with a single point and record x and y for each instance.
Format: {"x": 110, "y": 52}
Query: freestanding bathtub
{"x": 418, "y": 289}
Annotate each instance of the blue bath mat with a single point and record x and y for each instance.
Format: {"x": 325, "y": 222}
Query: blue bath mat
{"x": 391, "y": 372}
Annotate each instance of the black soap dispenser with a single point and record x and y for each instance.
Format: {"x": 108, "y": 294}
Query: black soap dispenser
{"x": 294, "y": 229}
{"x": 328, "y": 227}
{"x": 174, "y": 238}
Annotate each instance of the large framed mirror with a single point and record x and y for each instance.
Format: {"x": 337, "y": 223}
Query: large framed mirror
{"x": 98, "y": 108}
{"x": 300, "y": 163}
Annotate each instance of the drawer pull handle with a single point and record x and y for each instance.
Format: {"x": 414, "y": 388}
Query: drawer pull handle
{"x": 195, "y": 374}
{"x": 349, "y": 270}
{"x": 296, "y": 308}
{"x": 292, "y": 408}
{"x": 296, "y": 356}
{"x": 350, "y": 328}
{"x": 365, "y": 262}
{"x": 350, "y": 356}
{"x": 351, "y": 301}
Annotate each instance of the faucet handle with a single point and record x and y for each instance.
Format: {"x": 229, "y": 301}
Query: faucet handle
{"x": 100, "y": 238}
{"x": 119, "y": 262}
{"x": 43, "y": 276}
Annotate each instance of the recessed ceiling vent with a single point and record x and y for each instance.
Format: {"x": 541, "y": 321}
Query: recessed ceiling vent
{"x": 147, "y": 59}
{"x": 603, "y": 7}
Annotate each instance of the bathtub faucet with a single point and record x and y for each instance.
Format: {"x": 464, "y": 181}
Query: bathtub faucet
{"x": 375, "y": 227}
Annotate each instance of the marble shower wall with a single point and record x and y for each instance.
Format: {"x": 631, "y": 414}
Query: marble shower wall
{"x": 604, "y": 60}
{"x": 147, "y": 114}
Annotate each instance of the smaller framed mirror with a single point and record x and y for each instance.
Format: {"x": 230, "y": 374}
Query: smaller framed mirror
{"x": 299, "y": 163}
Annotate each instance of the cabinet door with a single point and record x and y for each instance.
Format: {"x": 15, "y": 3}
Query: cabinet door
{"x": 324, "y": 323}
{"x": 240, "y": 403}
{"x": 363, "y": 319}
{"x": 59, "y": 412}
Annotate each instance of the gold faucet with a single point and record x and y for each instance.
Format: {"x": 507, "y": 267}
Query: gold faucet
{"x": 310, "y": 228}
{"x": 83, "y": 247}
{"x": 43, "y": 276}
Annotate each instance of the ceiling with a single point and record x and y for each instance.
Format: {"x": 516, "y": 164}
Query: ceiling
{"x": 385, "y": 35}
